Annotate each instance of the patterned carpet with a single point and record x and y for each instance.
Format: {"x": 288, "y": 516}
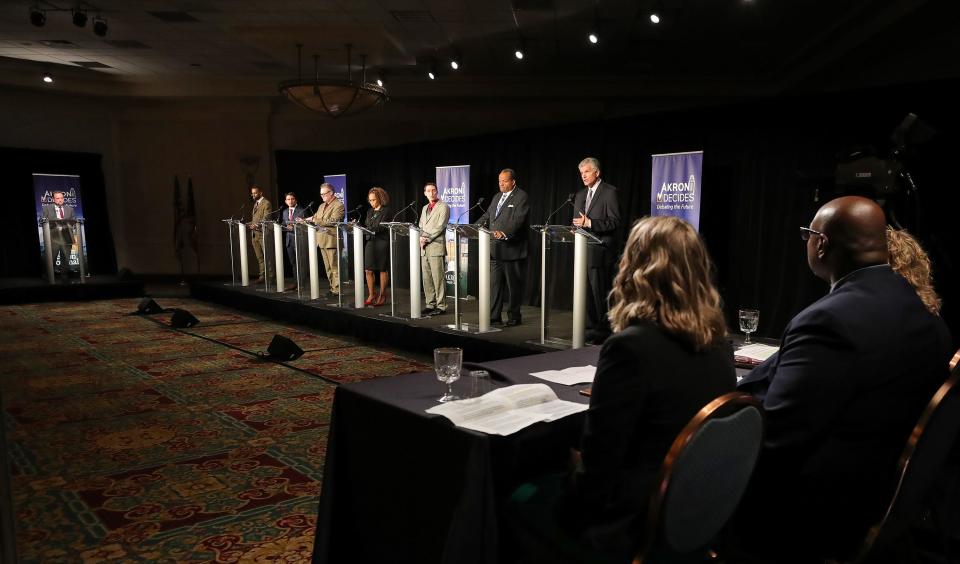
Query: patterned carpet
{"x": 128, "y": 441}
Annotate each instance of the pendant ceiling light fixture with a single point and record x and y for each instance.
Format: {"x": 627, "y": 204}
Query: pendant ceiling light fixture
{"x": 330, "y": 96}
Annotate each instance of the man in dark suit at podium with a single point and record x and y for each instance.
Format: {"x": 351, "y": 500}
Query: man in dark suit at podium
{"x": 597, "y": 210}
{"x": 289, "y": 218}
{"x": 61, "y": 236}
{"x": 507, "y": 219}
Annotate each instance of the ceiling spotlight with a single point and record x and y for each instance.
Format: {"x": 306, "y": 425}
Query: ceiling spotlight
{"x": 431, "y": 75}
{"x": 654, "y": 18}
{"x": 100, "y": 26}
{"x": 454, "y": 59}
{"x": 518, "y": 53}
{"x": 593, "y": 38}
{"x": 380, "y": 82}
{"x": 454, "y": 64}
{"x": 38, "y": 17}
{"x": 79, "y": 17}
{"x": 47, "y": 78}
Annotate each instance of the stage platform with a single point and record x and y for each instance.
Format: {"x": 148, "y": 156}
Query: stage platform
{"x": 31, "y": 290}
{"x": 374, "y": 325}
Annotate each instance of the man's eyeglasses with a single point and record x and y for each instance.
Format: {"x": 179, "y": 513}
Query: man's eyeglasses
{"x": 325, "y": 193}
{"x": 806, "y": 232}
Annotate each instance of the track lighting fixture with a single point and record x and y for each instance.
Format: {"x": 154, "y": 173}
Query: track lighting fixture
{"x": 38, "y": 17}
{"x": 100, "y": 26}
{"x": 79, "y": 17}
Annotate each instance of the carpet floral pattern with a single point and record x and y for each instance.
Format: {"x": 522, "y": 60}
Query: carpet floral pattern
{"x": 129, "y": 441}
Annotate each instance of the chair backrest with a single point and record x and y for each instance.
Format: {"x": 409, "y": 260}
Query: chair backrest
{"x": 703, "y": 477}
{"x": 920, "y": 464}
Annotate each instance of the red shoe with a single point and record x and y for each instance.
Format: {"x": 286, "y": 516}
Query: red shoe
{"x": 369, "y": 301}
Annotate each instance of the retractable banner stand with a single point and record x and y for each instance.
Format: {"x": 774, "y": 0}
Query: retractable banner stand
{"x": 44, "y": 185}
{"x": 339, "y": 183}
{"x": 675, "y": 186}
{"x": 454, "y": 185}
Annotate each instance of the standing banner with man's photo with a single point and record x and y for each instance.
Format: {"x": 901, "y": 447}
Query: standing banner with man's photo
{"x": 453, "y": 182}
{"x": 44, "y": 186}
{"x": 675, "y": 186}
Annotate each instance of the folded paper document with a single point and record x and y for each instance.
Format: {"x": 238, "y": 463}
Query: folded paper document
{"x": 568, "y": 376}
{"x": 505, "y": 411}
{"x": 753, "y": 354}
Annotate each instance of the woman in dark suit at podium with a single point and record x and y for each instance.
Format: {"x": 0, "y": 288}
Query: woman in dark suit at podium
{"x": 376, "y": 251}
{"x": 666, "y": 359}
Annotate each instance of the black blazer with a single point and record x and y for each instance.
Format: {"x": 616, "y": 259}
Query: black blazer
{"x": 604, "y": 214}
{"x": 298, "y": 212}
{"x": 513, "y": 221}
{"x": 648, "y": 386}
{"x": 372, "y": 222}
{"x": 853, "y": 373}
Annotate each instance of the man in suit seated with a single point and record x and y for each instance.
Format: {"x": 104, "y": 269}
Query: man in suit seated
{"x": 852, "y": 375}
{"x": 61, "y": 235}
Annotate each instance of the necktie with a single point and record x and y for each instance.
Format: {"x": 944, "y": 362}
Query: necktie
{"x": 291, "y": 214}
{"x": 59, "y": 212}
{"x": 589, "y": 199}
{"x": 500, "y": 205}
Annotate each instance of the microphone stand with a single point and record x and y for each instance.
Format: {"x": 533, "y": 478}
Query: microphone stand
{"x": 396, "y": 215}
{"x": 468, "y": 210}
{"x": 356, "y": 209}
{"x": 569, "y": 201}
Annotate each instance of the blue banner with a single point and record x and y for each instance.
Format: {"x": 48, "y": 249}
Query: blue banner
{"x": 453, "y": 182}
{"x": 339, "y": 183}
{"x": 44, "y": 185}
{"x": 675, "y": 186}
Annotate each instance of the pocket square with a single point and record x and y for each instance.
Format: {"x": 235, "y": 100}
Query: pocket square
{"x": 509, "y": 205}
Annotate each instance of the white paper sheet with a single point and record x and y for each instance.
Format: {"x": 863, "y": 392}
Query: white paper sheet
{"x": 756, "y": 351}
{"x": 505, "y": 411}
{"x": 568, "y": 376}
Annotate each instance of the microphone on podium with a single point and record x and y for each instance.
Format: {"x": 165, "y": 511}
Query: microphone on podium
{"x": 569, "y": 200}
{"x": 478, "y": 204}
{"x": 396, "y": 215}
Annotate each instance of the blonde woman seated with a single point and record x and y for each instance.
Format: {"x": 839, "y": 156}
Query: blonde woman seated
{"x": 908, "y": 259}
{"x": 667, "y": 358}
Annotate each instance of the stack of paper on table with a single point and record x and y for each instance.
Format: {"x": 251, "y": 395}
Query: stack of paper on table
{"x": 507, "y": 410}
{"x": 568, "y": 376}
{"x": 753, "y": 354}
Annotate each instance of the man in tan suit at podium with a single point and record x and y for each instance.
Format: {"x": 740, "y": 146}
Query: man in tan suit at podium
{"x": 328, "y": 214}
{"x": 261, "y": 210}
{"x": 433, "y": 227}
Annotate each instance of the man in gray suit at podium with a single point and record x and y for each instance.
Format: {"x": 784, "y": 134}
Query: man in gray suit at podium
{"x": 61, "y": 236}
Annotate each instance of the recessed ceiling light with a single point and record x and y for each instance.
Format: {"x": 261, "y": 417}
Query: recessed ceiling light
{"x": 654, "y": 18}
{"x": 380, "y": 82}
{"x": 431, "y": 75}
{"x": 48, "y": 79}
{"x": 593, "y": 38}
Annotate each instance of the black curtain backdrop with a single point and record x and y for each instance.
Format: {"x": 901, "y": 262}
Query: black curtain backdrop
{"x": 768, "y": 165}
{"x": 20, "y": 252}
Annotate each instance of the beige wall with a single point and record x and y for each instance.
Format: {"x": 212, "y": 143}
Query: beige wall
{"x": 145, "y": 142}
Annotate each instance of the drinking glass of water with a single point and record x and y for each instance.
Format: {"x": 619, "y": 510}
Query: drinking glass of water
{"x": 749, "y": 318}
{"x": 446, "y": 363}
